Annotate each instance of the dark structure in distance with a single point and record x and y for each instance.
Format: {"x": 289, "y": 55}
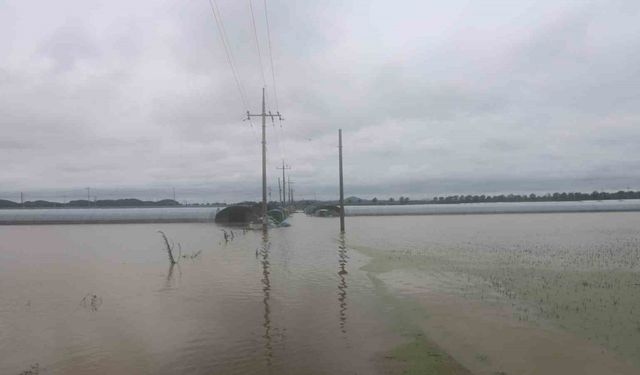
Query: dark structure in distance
{"x": 239, "y": 214}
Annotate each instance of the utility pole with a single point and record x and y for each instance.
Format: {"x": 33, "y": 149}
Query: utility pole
{"x": 341, "y": 182}
{"x": 284, "y": 195}
{"x": 290, "y": 192}
{"x": 280, "y": 193}
{"x": 264, "y": 116}
{"x": 88, "y": 197}
{"x": 22, "y": 199}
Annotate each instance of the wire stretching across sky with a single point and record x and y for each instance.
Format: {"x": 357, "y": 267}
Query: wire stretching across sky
{"x": 232, "y": 65}
{"x": 227, "y": 50}
{"x": 278, "y": 130}
{"x": 257, "y": 40}
{"x": 273, "y": 72}
{"x": 255, "y": 35}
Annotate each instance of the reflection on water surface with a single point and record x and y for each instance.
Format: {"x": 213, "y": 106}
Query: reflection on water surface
{"x": 260, "y": 303}
{"x": 80, "y": 299}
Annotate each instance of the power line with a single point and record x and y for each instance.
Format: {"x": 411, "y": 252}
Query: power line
{"x": 234, "y": 70}
{"x": 273, "y": 74}
{"x": 284, "y": 190}
{"x": 255, "y": 34}
{"x": 225, "y": 44}
{"x": 280, "y": 148}
{"x": 264, "y": 116}
{"x": 273, "y": 79}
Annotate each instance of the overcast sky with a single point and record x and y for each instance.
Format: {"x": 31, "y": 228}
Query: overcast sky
{"x": 434, "y": 97}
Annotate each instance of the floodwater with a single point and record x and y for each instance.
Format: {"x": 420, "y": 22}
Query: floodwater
{"x": 551, "y": 288}
{"x": 286, "y": 304}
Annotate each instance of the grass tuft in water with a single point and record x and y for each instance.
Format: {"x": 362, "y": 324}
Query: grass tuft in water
{"x": 419, "y": 357}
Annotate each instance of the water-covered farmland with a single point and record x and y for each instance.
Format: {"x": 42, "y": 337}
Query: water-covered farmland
{"x": 483, "y": 294}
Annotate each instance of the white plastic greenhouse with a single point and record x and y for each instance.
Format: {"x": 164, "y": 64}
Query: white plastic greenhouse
{"x": 108, "y": 215}
{"x": 495, "y": 208}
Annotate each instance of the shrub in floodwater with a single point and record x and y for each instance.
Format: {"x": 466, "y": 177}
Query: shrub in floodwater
{"x": 170, "y": 247}
{"x": 192, "y": 255}
{"x": 33, "y": 370}
{"x": 91, "y": 301}
{"x": 229, "y": 236}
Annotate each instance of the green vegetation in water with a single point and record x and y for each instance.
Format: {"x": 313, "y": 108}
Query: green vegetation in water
{"x": 403, "y": 314}
{"x": 419, "y": 355}
{"x": 587, "y": 286}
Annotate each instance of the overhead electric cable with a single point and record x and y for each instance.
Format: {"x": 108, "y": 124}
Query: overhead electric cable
{"x": 225, "y": 44}
{"x": 273, "y": 74}
{"x": 255, "y": 34}
{"x": 217, "y": 15}
{"x": 279, "y": 136}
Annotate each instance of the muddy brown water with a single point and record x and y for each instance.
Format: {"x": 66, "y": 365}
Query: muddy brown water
{"x": 78, "y": 299}
{"x": 295, "y": 305}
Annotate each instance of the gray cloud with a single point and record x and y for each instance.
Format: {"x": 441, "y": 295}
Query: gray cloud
{"x": 433, "y": 98}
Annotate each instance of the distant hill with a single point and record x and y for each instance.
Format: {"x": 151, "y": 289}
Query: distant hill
{"x": 7, "y": 204}
{"x": 41, "y": 204}
{"x": 83, "y": 203}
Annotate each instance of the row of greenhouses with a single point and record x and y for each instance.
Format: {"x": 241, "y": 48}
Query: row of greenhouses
{"x": 495, "y": 208}
{"x": 108, "y": 215}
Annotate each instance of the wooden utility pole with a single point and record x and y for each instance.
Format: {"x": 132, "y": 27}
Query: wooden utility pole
{"x": 280, "y": 193}
{"x": 341, "y": 182}
{"x": 290, "y": 192}
{"x": 264, "y": 116}
{"x": 284, "y": 195}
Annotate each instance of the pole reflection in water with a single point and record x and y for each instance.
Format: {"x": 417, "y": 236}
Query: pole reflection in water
{"x": 342, "y": 285}
{"x": 169, "y": 282}
{"x": 266, "y": 290}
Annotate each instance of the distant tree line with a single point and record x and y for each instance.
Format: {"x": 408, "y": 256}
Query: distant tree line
{"x": 452, "y": 199}
{"x": 83, "y": 203}
{"x": 554, "y": 197}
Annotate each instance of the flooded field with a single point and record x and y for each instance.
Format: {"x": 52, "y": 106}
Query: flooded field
{"x": 558, "y": 290}
{"x": 484, "y": 294}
